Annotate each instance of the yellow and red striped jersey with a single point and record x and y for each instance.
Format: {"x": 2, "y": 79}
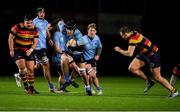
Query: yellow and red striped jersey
{"x": 23, "y": 36}
{"x": 143, "y": 44}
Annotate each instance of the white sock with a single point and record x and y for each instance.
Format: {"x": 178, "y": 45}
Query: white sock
{"x": 173, "y": 79}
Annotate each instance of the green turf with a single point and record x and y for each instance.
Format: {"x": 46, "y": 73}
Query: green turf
{"x": 120, "y": 93}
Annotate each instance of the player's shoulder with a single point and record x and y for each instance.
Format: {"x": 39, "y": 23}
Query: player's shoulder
{"x": 58, "y": 34}
{"x": 77, "y": 31}
{"x": 20, "y": 25}
{"x": 35, "y": 20}
{"x": 97, "y": 37}
{"x": 84, "y": 36}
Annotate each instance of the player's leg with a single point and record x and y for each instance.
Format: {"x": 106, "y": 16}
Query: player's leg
{"x": 43, "y": 60}
{"x": 135, "y": 68}
{"x": 91, "y": 84}
{"x": 72, "y": 78}
{"x": 175, "y": 75}
{"x": 23, "y": 72}
{"x": 18, "y": 79}
{"x": 47, "y": 75}
{"x": 173, "y": 79}
{"x": 93, "y": 78}
{"x": 85, "y": 77}
{"x": 61, "y": 80}
{"x": 20, "y": 62}
{"x": 31, "y": 77}
{"x": 157, "y": 76}
{"x": 67, "y": 63}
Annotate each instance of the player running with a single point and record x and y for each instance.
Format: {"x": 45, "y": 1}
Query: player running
{"x": 147, "y": 53}
{"x": 23, "y": 39}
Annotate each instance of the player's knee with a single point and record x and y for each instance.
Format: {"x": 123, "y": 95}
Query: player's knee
{"x": 133, "y": 69}
{"x": 64, "y": 58}
{"x": 37, "y": 66}
{"x": 82, "y": 70}
{"x": 31, "y": 72}
{"x": 23, "y": 71}
{"x": 91, "y": 71}
{"x": 64, "y": 61}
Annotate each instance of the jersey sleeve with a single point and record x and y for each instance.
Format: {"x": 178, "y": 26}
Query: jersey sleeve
{"x": 99, "y": 44}
{"x": 134, "y": 40}
{"x": 14, "y": 30}
{"x": 78, "y": 36}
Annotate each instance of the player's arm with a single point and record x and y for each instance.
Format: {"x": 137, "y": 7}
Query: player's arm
{"x": 80, "y": 42}
{"x": 48, "y": 34}
{"x": 35, "y": 42}
{"x": 49, "y": 37}
{"x": 29, "y": 51}
{"x": 98, "y": 50}
{"x": 57, "y": 48}
{"x": 128, "y": 52}
{"x": 98, "y": 53}
{"x": 79, "y": 38}
{"x": 56, "y": 43}
{"x": 11, "y": 44}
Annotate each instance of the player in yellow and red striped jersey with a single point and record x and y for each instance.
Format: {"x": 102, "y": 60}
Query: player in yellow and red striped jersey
{"x": 147, "y": 53}
{"x": 22, "y": 42}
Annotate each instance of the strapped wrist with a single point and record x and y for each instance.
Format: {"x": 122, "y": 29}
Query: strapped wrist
{"x": 31, "y": 49}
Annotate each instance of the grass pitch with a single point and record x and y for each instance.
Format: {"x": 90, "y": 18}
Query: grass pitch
{"x": 120, "y": 94}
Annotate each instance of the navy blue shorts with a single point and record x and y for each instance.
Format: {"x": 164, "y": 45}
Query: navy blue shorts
{"x": 92, "y": 62}
{"x": 78, "y": 58}
{"x": 41, "y": 56}
{"x": 19, "y": 54}
{"x": 153, "y": 60}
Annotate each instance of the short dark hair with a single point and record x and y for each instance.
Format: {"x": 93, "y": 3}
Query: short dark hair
{"x": 28, "y": 17}
{"x": 40, "y": 8}
{"x": 125, "y": 29}
{"x": 71, "y": 25}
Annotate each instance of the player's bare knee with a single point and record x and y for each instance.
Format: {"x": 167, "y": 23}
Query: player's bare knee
{"x": 91, "y": 71}
{"x": 37, "y": 66}
{"x": 64, "y": 62}
{"x": 133, "y": 69}
{"x": 31, "y": 73}
{"x": 23, "y": 71}
{"x": 82, "y": 70}
{"x": 64, "y": 58}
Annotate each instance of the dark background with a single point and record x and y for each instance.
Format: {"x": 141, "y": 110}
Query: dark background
{"x": 157, "y": 19}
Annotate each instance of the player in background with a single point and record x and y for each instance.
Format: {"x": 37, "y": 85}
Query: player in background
{"x": 41, "y": 49}
{"x": 92, "y": 52}
{"x": 23, "y": 39}
{"x": 175, "y": 75}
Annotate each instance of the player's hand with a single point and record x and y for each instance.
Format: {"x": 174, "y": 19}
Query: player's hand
{"x": 50, "y": 26}
{"x": 51, "y": 42}
{"x": 29, "y": 51}
{"x": 117, "y": 49}
{"x": 11, "y": 53}
{"x": 96, "y": 57}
